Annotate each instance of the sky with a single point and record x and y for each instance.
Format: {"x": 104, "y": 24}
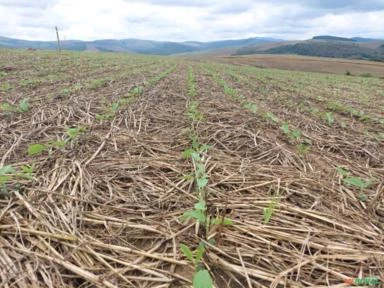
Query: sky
{"x": 182, "y": 20}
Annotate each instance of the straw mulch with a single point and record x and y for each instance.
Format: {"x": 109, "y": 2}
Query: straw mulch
{"x": 104, "y": 212}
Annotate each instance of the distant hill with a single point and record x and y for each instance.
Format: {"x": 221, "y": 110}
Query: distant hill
{"x": 324, "y": 46}
{"x": 333, "y": 38}
{"x": 135, "y": 45}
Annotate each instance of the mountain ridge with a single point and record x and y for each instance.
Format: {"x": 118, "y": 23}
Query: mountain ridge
{"x": 135, "y": 45}
{"x": 323, "y": 46}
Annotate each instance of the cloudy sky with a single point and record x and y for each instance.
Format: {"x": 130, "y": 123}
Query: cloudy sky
{"x": 179, "y": 20}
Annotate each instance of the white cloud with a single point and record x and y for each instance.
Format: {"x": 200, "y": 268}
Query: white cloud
{"x": 180, "y": 20}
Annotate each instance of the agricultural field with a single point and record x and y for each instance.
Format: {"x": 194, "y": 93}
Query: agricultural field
{"x": 119, "y": 170}
{"x": 309, "y": 64}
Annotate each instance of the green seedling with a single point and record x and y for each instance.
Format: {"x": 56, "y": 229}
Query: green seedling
{"x": 193, "y": 112}
{"x": 27, "y": 172}
{"x": 59, "y": 144}
{"x": 330, "y": 118}
{"x": 285, "y": 128}
{"x": 268, "y": 211}
{"x": 292, "y": 134}
{"x": 251, "y": 107}
{"x": 75, "y": 132}
{"x": 295, "y": 134}
{"x": 136, "y": 91}
{"x": 24, "y": 105}
{"x": 270, "y": 117}
{"x": 230, "y": 91}
{"x": 356, "y": 182}
{"x": 6, "y": 173}
{"x": 199, "y": 213}
{"x": 342, "y": 171}
{"x": 98, "y": 83}
{"x": 6, "y": 107}
{"x": 304, "y": 147}
{"x": 201, "y": 278}
{"x": 5, "y": 87}
{"x": 65, "y": 92}
{"x": 31, "y": 83}
{"x": 191, "y": 83}
{"x": 36, "y": 149}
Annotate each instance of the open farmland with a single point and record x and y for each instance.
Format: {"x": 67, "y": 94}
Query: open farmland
{"x": 109, "y": 163}
{"x": 308, "y": 64}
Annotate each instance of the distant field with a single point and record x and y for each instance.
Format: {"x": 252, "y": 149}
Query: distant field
{"x": 310, "y": 64}
{"x": 119, "y": 170}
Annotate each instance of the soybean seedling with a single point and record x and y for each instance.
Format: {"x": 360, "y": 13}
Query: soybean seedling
{"x": 24, "y": 105}
{"x": 201, "y": 278}
{"x": 270, "y": 209}
{"x": 353, "y": 181}
{"x": 6, "y": 173}
{"x": 330, "y": 118}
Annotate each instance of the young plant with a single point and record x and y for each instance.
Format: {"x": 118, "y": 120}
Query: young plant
{"x": 6, "y": 173}
{"x": 36, "y": 149}
{"x": 191, "y": 83}
{"x": 294, "y": 134}
{"x": 201, "y": 278}
{"x": 251, "y": 107}
{"x": 268, "y": 211}
{"x": 330, "y": 118}
{"x": 272, "y": 118}
{"x": 356, "y": 182}
{"x": 24, "y": 105}
{"x": 304, "y": 147}
{"x": 193, "y": 113}
{"x": 27, "y": 172}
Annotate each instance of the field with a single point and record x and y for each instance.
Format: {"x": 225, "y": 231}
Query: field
{"x": 309, "y": 64}
{"x": 133, "y": 171}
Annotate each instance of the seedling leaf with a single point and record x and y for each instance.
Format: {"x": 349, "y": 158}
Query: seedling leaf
{"x": 36, "y": 149}
{"x": 221, "y": 221}
{"x": 200, "y": 206}
{"x": 202, "y": 182}
{"x": 24, "y": 105}
{"x": 202, "y": 279}
{"x": 187, "y": 252}
{"x": 200, "y": 252}
{"x": 357, "y": 182}
{"x": 195, "y": 214}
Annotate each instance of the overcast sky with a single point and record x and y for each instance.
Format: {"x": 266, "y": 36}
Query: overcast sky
{"x": 180, "y": 20}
